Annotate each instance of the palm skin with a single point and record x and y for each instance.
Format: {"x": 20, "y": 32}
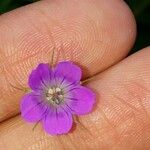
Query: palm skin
{"x": 97, "y": 35}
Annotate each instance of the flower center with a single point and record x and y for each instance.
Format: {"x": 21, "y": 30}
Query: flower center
{"x": 55, "y": 95}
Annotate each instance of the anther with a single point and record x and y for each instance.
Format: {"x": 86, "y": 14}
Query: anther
{"x": 50, "y": 91}
{"x": 58, "y": 89}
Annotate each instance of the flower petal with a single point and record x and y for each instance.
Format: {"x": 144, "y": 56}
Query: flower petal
{"x": 82, "y": 100}
{"x": 69, "y": 70}
{"x": 32, "y": 107}
{"x": 57, "y": 122}
{"x": 39, "y": 77}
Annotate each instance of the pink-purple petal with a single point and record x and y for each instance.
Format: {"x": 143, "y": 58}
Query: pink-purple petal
{"x": 56, "y": 119}
{"x": 68, "y": 70}
{"x": 57, "y": 122}
{"x": 39, "y": 77}
{"x": 82, "y": 100}
{"x": 32, "y": 107}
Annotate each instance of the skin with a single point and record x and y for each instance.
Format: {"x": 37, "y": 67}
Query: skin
{"x": 97, "y": 35}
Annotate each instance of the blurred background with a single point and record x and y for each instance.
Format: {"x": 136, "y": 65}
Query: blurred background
{"x": 140, "y": 8}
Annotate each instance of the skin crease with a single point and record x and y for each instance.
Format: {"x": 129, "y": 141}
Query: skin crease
{"x": 120, "y": 119}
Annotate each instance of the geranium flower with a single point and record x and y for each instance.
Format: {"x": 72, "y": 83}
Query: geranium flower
{"x": 56, "y": 95}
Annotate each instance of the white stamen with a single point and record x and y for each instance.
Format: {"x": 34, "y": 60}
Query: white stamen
{"x": 49, "y": 98}
{"x": 50, "y": 91}
{"x": 55, "y": 95}
{"x": 58, "y": 89}
{"x": 61, "y": 96}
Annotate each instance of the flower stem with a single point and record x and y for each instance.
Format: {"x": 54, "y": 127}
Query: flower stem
{"x": 87, "y": 80}
{"x": 36, "y": 125}
{"x": 51, "y": 63}
{"x": 20, "y": 88}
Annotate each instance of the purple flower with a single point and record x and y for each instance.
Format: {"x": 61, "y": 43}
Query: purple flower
{"x": 56, "y": 95}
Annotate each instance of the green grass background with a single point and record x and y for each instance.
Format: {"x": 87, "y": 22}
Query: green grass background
{"x": 140, "y": 8}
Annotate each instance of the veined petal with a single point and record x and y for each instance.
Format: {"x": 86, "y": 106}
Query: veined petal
{"x": 32, "y": 107}
{"x": 82, "y": 100}
{"x": 39, "y": 77}
{"x": 68, "y": 70}
{"x": 57, "y": 122}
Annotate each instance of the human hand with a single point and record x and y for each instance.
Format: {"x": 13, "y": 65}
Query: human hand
{"x": 95, "y": 34}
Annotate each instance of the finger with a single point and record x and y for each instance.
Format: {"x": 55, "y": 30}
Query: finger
{"x": 120, "y": 120}
{"x": 94, "y": 34}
